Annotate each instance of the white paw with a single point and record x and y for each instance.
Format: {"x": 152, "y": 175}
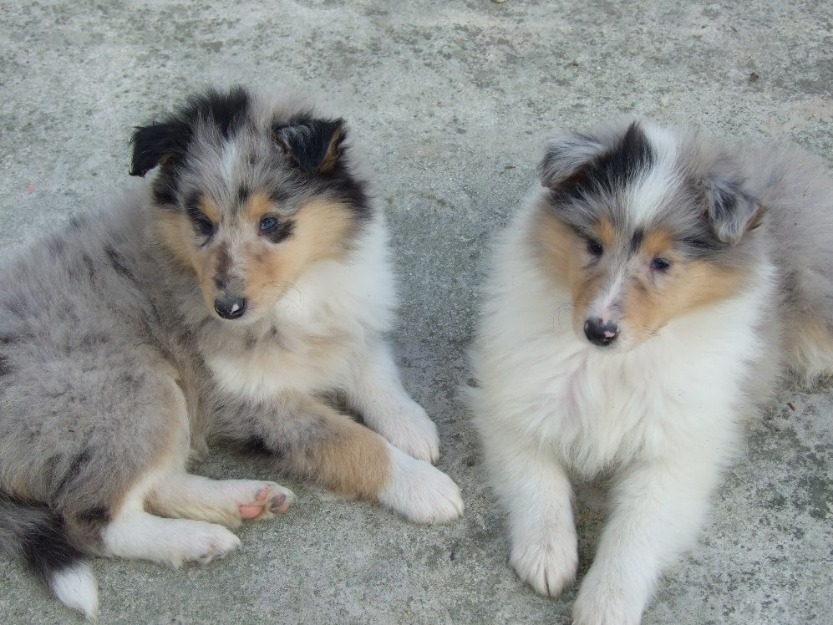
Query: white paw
{"x": 262, "y": 500}
{"x": 412, "y": 431}
{"x": 420, "y": 492}
{"x": 202, "y": 542}
{"x": 601, "y": 602}
{"x": 548, "y": 563}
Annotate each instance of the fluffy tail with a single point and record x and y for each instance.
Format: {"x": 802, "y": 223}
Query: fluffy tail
{"x": 37, "y": 536}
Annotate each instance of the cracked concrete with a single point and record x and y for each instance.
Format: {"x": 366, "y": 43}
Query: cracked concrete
{"x": 450, "y": 102}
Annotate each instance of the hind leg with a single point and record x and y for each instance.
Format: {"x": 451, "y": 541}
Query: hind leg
{"x": 157, "y": 452}
{"x": 228, "y": 502}
{"x": 132, "y": 532}
{"x": 138, "y": 534}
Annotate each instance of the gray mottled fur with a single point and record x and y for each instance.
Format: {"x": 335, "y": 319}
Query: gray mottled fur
{"x": 796, "y": 193}
{"x": 102, "y": 334}
{"x": 732, "y": 206}
{"x": 786, "y": 196}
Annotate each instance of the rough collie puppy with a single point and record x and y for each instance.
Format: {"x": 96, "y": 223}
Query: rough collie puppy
{"x": 226, "y": 303}
{"x": 644, "y": 300}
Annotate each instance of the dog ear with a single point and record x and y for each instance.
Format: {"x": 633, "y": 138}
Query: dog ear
{"x": 565, "y": 154}
{"x": 314, "y": 144}
{"x": 568, "y": 152}
{"x": 158, "y": 144}
{"x": 731, "y": 211}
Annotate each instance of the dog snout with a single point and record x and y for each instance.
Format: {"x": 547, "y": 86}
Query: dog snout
{"x": 599, "y": 332}
{"x": 230, "y": 306}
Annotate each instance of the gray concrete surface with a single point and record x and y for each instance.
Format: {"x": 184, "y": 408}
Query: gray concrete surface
{"x": 450, "y": 100}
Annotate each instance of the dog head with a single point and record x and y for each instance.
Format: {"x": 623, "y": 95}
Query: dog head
{"x": 642, "y": 225}
{"x": 249, "y": 193}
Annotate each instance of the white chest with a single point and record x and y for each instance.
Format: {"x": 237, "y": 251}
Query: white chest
{"x": 318, "y": 331}
{"x": 307, "y": 364}
{"x": 603, "y": 409}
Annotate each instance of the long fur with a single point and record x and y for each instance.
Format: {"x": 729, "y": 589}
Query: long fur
{"x": 649, "y": 295}
{"x": 247, "y": 282}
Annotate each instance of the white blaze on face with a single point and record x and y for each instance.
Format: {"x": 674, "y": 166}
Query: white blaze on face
{"x": 230, "y": 157}
{"x": 646, "y": 196}
{"x": 608, "y": 303}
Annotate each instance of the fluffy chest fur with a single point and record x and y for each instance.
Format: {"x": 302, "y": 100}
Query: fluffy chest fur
{"x": 314, "y": 335}
{"x": 595, "y": 408}
{"x": 599, "y": 409}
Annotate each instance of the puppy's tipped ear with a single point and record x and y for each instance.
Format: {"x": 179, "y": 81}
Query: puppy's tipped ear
{"x": 730, "y": 210}
{"x": 566, "y": 153}
{"x": 158, "y": 144}
{"x": 314, "y": 144}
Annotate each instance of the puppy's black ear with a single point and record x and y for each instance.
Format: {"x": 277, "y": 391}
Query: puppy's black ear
{"x": 731, "y": 211}
{"x": 566, "y": 153}
{"x": 314, "y": 144}
{"x": 158, "y": 144}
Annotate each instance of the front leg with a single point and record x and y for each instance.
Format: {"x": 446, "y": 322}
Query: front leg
{"x": 386, "y": 407}
{"x": 312, "y": 440}
{"x": 536, "y": 491}
{"x": 658, "y": 508}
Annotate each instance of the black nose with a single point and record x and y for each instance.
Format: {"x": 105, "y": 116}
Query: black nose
{"x": 230, "y": 307}
{"x": 600, "y": 333}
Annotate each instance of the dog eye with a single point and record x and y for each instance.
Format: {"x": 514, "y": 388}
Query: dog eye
{"x": 202, "y": 224}
{"x": 660, "y": 264}
{"x": 594, "y": 248}
{"x": 267, "y": 224}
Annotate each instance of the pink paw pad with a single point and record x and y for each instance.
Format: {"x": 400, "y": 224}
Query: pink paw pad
{"x": 265, "y": 504}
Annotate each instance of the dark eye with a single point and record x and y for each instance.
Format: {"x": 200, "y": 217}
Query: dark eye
{"x": 202, "y": 224}
{"x": 660, "y": 264}
{"x": 267, "y": 224}
{"x": 594, "y": 248}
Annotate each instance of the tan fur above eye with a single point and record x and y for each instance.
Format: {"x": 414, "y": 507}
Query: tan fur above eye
{"x": 256, "y": 206}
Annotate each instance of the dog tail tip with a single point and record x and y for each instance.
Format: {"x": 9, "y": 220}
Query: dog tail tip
{"x": 75, "y": 587}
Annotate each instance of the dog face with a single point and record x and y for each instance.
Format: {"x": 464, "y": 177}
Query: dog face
{"x": 249, "y": 195}
{"x": 642, "y": 226}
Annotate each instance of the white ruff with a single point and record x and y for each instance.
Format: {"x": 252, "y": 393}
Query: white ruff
{"x": 327, "y": 320}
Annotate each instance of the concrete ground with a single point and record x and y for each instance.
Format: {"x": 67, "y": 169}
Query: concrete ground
{"x": 450, "y": 100}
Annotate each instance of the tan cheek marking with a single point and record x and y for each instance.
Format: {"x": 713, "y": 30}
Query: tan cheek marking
{"x": 645, "y": 311}
{"x": 707, "y": 284}
{"x": 320, "y": 231}
{"x": 174, "y": 231}
{"x": 559, "y": 250}
{"x": 694, "y": 285}
{"x": 585, "y": 289}
{"x": 168, "y": 231}
{"x": 553, "y": 242}
{"x": 322, "y": 228}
